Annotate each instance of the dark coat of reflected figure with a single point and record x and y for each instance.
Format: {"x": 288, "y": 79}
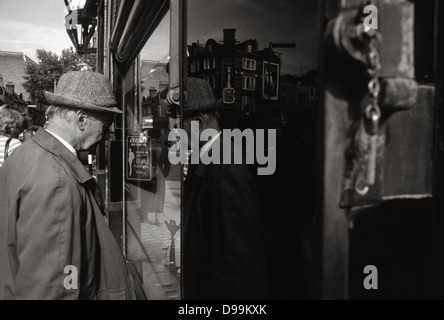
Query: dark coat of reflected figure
{"x": 223, "y": 256}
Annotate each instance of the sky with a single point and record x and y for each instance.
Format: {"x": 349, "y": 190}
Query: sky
{"x": 27, "y": 25}
{"x": 266, "y": 21}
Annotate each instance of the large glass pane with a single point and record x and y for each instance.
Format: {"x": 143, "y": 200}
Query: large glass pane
{"x": 152, "y": 183}
{"x": 260, "y": 58}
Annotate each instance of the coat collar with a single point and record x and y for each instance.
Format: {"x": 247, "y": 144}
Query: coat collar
{"x": 201, "y": 170}
{"x": 48, "y": 142}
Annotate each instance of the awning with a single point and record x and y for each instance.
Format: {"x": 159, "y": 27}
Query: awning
{"x": 136, "y": 22}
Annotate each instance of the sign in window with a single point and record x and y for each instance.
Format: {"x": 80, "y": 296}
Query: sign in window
{"x": 138, "y": 157}
{"x": 271, "y": 81}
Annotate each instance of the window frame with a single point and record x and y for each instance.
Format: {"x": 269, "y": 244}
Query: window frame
{"x": 249, "y": 64}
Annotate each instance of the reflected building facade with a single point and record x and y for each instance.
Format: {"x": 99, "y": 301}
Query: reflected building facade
{"x": 239, "y": 74}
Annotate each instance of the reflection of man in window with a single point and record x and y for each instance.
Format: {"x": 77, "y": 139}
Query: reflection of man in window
{"x": 130, "y": 160}
{"x": 223, "y": 253}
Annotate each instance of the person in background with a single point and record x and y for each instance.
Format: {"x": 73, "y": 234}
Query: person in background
{"x": 161, "y": 169}
{"x": 54, "y": 241}
{"x": 11, "y": 126}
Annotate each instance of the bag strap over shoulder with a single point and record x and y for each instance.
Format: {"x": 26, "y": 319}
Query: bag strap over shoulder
{"x": 7, "y": 147}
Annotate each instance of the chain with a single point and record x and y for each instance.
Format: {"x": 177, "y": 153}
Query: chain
{"x": 372, "y": 110}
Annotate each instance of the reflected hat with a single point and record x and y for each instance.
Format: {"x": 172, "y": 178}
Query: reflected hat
{"x": 200, "y": 97}
{"x": 85, "y": 90}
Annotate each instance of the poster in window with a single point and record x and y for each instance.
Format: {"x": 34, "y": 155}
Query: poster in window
{"x": 138, "y": 158}
{"x": 270, "y": 85}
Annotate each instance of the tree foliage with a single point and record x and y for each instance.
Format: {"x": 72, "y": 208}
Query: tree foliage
{"x": 41, "y": 77}
{"x": 71, "y": 61}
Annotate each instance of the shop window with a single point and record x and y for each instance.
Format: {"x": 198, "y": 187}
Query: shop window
{"x": 151, "y": 185}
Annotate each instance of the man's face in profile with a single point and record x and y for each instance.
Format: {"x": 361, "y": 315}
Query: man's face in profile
{"x": 96, "y": 129}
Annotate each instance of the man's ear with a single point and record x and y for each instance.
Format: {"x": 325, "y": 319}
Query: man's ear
{"x": 82, "y": 118}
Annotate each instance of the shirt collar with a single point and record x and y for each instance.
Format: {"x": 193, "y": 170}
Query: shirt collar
{"x": 63, "y": 141}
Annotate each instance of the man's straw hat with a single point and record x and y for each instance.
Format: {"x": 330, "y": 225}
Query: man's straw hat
{"x": 84, "y": 90}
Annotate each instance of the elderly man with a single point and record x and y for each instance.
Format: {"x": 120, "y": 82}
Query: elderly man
{"x": 54, "y": 241}
{"x": 223, "y": 254}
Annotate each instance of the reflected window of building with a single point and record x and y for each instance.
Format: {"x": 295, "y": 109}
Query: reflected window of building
{"x": 209, "y": 63}
{"x": 194, "y": 66}
{"x": 248, "y": 83}
{"x": 249, "y": 64}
